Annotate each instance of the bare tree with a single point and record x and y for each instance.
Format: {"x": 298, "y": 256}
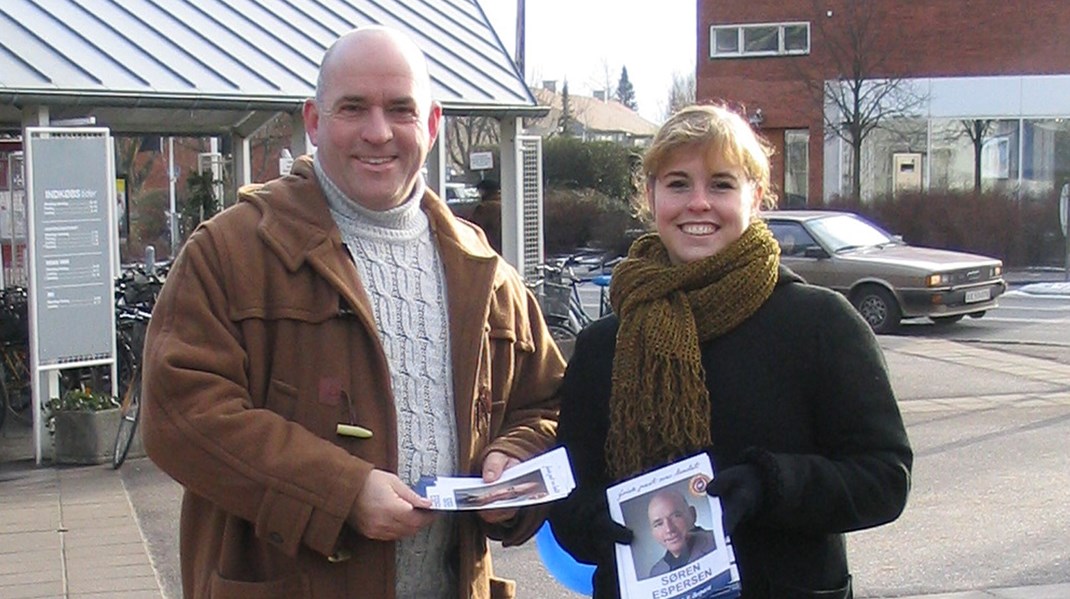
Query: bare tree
{"x": 128, "y": 150}
{"x": 266, "y": 144}
{"x": 682, "y": 92}
{"x": 857, "y": 88}
{"x": 977, "y": 129}
{"x": 603, "y": 81}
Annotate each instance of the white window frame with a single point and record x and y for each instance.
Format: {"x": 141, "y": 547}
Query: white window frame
{"x": 741, "y": 52}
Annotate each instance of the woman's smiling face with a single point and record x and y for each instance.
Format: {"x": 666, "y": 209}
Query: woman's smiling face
{"x": 701, "y": 203}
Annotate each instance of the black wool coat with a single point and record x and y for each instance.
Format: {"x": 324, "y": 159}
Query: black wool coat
{"x": 801, "y": 387}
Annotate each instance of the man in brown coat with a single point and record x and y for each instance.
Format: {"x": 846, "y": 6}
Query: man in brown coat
{"x": 329, "y": 339}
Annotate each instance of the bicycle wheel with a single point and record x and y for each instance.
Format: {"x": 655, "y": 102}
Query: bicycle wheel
{"x": 131, "y": 410}
{"x": 564, "y": 337}
{"x": 3, "y": 400}
{"x": 18, "y": 395}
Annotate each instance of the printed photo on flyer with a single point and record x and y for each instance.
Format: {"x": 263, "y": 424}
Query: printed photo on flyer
{"x": 543, "y": 478}
{"x": 680, "y": 550}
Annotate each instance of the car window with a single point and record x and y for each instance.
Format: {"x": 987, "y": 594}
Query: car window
{"x": 844, "y": 232}
{"x": 792, "y": 237}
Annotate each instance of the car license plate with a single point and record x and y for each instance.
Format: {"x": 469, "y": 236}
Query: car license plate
{"x": 978, "y": 295}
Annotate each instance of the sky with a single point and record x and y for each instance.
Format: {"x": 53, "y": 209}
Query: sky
{"x": 588, "y": 41}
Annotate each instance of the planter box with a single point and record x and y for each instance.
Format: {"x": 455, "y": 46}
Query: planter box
{"x": 85, "y": 437}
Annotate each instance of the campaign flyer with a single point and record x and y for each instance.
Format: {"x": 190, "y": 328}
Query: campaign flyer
{"x": 680, "y": 550}
{"x": 544, "y": 478}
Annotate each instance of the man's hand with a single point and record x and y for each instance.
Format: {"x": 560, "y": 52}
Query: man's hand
{"x": 387, "y": 510}
{"x": 493, "y": 467}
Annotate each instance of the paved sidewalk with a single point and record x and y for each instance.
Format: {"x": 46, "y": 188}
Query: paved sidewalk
{"x": 70, "y": 532}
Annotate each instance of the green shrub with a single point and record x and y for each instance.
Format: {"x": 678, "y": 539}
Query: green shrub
{"x": 604, "y": 166}
{"x": 574, "y": 218}
{"x": 77, "y": 400}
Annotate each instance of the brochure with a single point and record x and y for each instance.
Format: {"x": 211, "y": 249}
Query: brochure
{"x": 544, "y": 478}
{"x": 680, "y": 550}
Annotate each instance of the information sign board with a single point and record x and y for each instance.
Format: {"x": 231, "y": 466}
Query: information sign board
{"x": 72, "y": 228}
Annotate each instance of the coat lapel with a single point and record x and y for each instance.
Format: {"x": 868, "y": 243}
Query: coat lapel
{"x": 470, "y": 282}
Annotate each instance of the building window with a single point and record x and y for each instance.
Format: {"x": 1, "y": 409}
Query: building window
{"x": 796, "y": 168}
{"x": 760, "y": 40}
{"x": 765, "y": 39}
{"x": 725, "y": 41}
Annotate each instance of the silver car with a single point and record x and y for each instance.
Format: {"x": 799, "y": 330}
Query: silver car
{"x": 886, "y": 279}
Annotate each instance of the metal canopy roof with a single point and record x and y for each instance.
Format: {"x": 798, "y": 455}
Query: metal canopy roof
{"x": 212, "y": 66}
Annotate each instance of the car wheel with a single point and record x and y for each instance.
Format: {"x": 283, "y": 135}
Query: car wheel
{"x": 878, "y": 307}
{"x": 946, "y": 320}
{"x": 977, "y": 314}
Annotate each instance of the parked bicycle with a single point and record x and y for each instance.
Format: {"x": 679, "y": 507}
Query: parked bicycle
{"x": 15, "y": 391}
{"x": 132, "y": 324}
{"x": 558, "y": 290}
{"x": 136, "y": 292}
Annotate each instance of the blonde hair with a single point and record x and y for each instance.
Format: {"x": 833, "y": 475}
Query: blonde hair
{"x": 721, "y": 134}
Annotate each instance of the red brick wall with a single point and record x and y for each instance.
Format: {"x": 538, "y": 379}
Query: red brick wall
{"x": 928, "y": 38}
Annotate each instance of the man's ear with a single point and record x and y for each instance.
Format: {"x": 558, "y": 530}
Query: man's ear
{"x": 310, "y": 113}
{"x": 694, "y": 514}
{"x": 434, "y": 120}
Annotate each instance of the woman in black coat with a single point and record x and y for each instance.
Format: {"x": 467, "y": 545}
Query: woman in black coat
{"x": 713, "y": 346}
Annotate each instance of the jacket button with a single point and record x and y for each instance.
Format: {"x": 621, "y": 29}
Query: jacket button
{"x": 275, "y": 538}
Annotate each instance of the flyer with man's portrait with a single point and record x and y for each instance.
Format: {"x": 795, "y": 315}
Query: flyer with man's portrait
{"x": 680, "y": 550}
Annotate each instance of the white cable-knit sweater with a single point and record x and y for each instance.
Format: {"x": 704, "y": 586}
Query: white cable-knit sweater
{"x": 401, "y": 271}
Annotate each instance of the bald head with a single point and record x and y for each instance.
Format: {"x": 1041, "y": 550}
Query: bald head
{"x": 373, "y": 42}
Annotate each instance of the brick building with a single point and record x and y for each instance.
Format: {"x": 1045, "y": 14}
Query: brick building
{"x": 980, "y": 88}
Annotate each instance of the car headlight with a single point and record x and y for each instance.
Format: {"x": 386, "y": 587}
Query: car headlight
{"x": 997, "y": 270}
{"x": 938, "y": 280}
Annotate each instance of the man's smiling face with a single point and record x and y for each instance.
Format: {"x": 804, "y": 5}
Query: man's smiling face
{"x": 671, "y": 520}
{"x": 373, "y": 121}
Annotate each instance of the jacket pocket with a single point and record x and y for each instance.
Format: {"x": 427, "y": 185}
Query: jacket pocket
{"x": 292, "y": 587}
{"x": 281, "y": 399}
{"x": 789, "y": 592}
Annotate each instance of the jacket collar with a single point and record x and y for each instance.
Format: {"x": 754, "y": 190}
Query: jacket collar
{"x": 296, "y": 221}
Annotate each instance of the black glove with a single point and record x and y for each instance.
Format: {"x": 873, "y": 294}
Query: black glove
{"x": 741, "y": 493}
{"x": 583, "y": 526}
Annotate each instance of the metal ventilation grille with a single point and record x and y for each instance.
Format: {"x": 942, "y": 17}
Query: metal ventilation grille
{"x": 529, "y": 149}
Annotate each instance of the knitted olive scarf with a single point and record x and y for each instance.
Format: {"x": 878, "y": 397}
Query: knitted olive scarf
{"x": 659, "y": 406}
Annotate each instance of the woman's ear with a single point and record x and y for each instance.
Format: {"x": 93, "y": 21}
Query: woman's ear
{"x": 650, "y": 183}
{"x": 756, "y": 201}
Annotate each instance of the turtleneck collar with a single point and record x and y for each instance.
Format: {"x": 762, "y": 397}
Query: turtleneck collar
{"x": 404, "y": 218}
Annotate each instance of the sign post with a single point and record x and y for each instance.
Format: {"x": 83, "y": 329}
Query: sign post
{"x": 70, "y": 187}
{"x": 481, "y": 161}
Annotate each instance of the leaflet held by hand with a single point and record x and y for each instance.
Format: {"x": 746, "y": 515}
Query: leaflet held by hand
{"x": 680, "y": 550}
{"x": 544, "y": 478}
